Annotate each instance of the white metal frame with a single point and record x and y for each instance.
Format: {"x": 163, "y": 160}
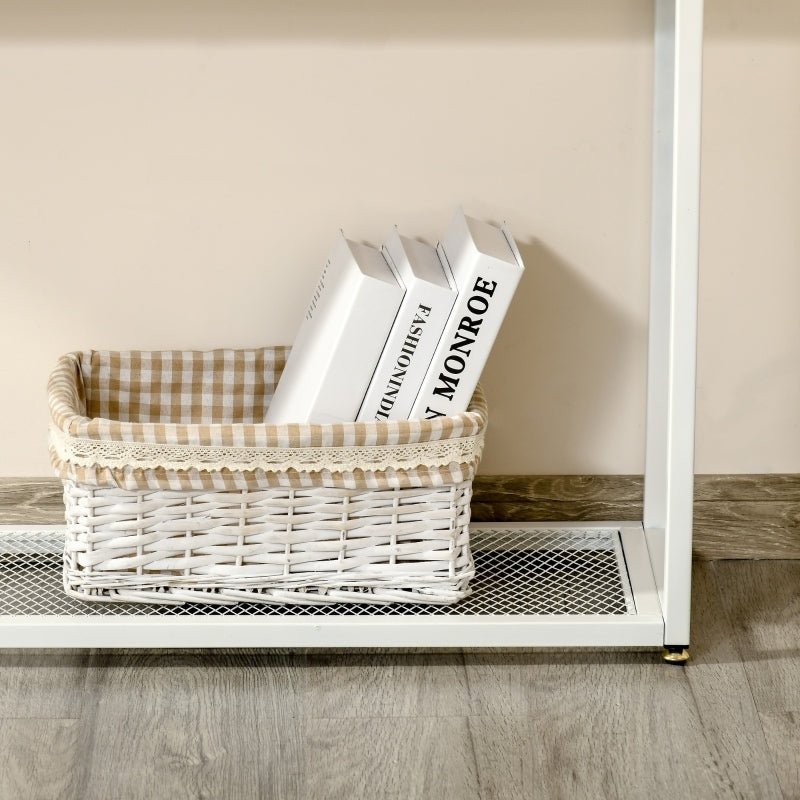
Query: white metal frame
{"x": 669, "y": 461}
{"x": 657, "y": 550}
{"x": 645, "y": 627}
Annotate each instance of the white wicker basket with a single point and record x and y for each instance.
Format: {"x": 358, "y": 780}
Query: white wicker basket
{"x": 196, "y": 500}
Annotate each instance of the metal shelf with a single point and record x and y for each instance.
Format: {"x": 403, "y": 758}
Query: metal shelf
{"x": 652, "y": 557}
{"x": 536, "y": 585}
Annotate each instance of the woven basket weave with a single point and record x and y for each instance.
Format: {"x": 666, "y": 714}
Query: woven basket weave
{"x": 176, "y": 491}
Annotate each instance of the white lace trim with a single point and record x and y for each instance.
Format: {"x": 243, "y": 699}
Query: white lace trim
{"x": 208, "y": 458}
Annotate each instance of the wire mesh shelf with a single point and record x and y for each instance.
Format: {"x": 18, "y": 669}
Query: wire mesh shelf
{"x": 547, "y": 571}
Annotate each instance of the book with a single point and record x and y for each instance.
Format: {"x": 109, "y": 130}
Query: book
{"x": 340, "y": 338}
{"x": 428, "y": 301}
{"x": 487, "y": 268}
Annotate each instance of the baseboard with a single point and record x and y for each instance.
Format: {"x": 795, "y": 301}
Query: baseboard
{"x": 735, "y": 516}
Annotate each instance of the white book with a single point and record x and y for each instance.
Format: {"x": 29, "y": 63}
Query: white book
{"x": 487, "y": 267}
{"x": 428, "y": 301}
{"x": 340, "y": 338}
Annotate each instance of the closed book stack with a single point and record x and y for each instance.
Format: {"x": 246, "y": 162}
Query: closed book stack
{"x": 487, "y": 267}
{"x": 428, "y": 301}
{"x": 340, "y": 338}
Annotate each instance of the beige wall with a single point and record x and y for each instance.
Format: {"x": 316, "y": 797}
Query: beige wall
{"x": 172, "y": 176}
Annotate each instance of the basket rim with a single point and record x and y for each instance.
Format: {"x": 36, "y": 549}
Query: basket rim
{"x": 86, "y": 446}
{"x": 83, "y": 452}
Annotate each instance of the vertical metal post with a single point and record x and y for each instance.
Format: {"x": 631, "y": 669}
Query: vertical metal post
{"x": 669, "y": 461}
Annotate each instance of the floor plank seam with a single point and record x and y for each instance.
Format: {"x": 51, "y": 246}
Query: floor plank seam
{"x": 741, "y": 660}
{"x": 775, "y": 765}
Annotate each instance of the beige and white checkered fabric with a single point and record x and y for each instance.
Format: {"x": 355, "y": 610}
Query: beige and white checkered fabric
{"x": 218, "y": 399}
{"x": 217, "y": 386}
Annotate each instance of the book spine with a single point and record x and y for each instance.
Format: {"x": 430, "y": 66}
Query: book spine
{"x": 361, "y": 337}
{"x": 339, "y": 342}
{"x": 289, "y": 402}
{"x": 408, "y": 353}
{"x": 485, "y": 289}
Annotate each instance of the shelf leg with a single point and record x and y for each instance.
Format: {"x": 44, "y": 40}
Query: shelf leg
{"x": 669, "y": 461}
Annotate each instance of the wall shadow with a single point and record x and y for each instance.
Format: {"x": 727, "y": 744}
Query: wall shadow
{"x": 558, "y": 371}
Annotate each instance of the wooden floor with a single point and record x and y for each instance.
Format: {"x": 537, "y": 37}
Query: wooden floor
{"x": 461, "y": 725}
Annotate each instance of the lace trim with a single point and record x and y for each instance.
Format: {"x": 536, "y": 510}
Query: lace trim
{"x": 208, "y": 458}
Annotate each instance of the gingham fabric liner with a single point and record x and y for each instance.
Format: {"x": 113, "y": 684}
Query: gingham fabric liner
{"x": 138, "y": 387}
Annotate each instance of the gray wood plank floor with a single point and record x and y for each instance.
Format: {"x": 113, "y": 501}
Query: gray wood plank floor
{"x": 473, "y": 724}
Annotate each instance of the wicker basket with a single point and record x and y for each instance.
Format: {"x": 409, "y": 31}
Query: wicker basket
{"x": 176, "y": 491}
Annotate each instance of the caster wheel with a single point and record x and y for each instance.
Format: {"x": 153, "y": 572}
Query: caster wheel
{"x": 675, "y": 654}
